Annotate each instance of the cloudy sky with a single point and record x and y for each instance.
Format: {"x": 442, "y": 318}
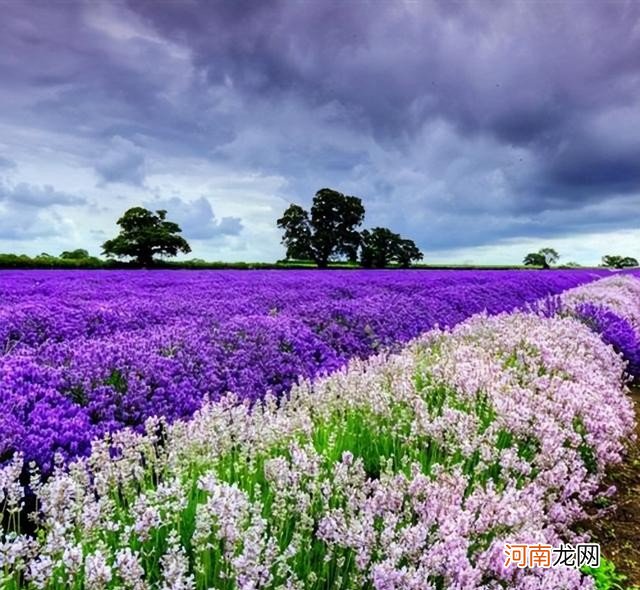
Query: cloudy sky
{"x": 480, "y": 129}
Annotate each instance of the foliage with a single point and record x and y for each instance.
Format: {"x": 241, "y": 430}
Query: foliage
{"x": 613, "y": 261}
{"x": 144, "y": 235}
{"x": 607, "y": 577}
{"x": 329, "y": 231}
{"x": 407, "y": 252}
{"x": 534, "y": 259}
{"x": 571, "y": 264}
{"x": 334, "y": 219}
{"x": 380, "y": 247}
{"x": 545, "y": 257}
{"x": 79, "y": 254}
{"x": 550, "y": 255}
{"x": 24, "y": 261}
{"x": 17, "y": 261}
{"x": 297, "y": 237}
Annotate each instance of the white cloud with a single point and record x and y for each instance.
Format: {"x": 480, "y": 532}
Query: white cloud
{"x": 197, "y": 219}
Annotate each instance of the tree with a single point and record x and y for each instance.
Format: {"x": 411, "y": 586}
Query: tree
{"x": 78, "y": 254}
{"x": 297, "y": 236}
{"x": 408, "y": 252}
{"x": 334, "y": 219}
{"x": 550, "y": 256}
{"x": 329, "y": 231}
{"x": 613, "y": 261}
{"x": 628, "y": 262}
{"x": 380, "y": 247}
{"x": 145, "y": 234}
{"x": 535, "y": 259}
{"x": 544, "y": 257}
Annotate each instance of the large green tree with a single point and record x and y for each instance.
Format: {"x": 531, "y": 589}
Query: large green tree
{"x": 613, "y": 261}
{"x": 544, "y": 257}
{"x": 145, "y": 234}
{"x": 329, "y": 231}
{"x": 381, "y": 247}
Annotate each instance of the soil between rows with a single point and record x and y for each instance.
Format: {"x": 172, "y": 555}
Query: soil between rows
{"x": 619, "y": 531}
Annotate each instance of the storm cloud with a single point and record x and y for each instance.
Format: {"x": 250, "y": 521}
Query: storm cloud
{"x": 460, "y": 124}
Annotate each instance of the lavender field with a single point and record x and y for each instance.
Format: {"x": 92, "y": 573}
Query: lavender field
{"x": 294, "y": 430}
{"x": 86, "y": 353}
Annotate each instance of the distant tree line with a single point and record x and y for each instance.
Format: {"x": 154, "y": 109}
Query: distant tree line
{"x": 546, "y": 257}
{"x": 619, "y": 261}
{"x": 329, "y": 232}
{"x": 46, "y": 260}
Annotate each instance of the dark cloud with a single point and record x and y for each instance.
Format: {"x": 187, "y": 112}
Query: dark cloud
{"x": 614, "y": 215}
{"x": 513, "y": 69}
{"x": 82, "y": 68}
{"x": 589, "y": 168}
{"x": 529, "y": 75}
{"x": 467, "y": 122}
{"x": 197, "y": 219}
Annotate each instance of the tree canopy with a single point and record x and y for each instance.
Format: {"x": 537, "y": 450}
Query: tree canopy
{"x": 297, "y": 236}
{"x": 613, "y": 261}
{"x": 329, "y": 231}
{"x": 407, "y": 253}
{"x": 380, "y": 247}
{"x": 145, "y": 234}
{"x": 544, "y": 257}
{"x": 78, "y": 254}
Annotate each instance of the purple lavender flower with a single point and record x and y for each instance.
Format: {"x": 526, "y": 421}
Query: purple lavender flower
{"x": 88, "y": 353}
{"x": 614, "y": 330}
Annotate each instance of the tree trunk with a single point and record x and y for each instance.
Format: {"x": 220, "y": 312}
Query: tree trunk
{"x": 145, "y": 258}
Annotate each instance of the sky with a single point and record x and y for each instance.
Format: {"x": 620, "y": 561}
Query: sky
{"x": 481, "y": 130}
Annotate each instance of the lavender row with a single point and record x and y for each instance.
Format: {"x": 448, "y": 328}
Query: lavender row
{"x": 611, "y": 308}
{"x": 87, "y": 353}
